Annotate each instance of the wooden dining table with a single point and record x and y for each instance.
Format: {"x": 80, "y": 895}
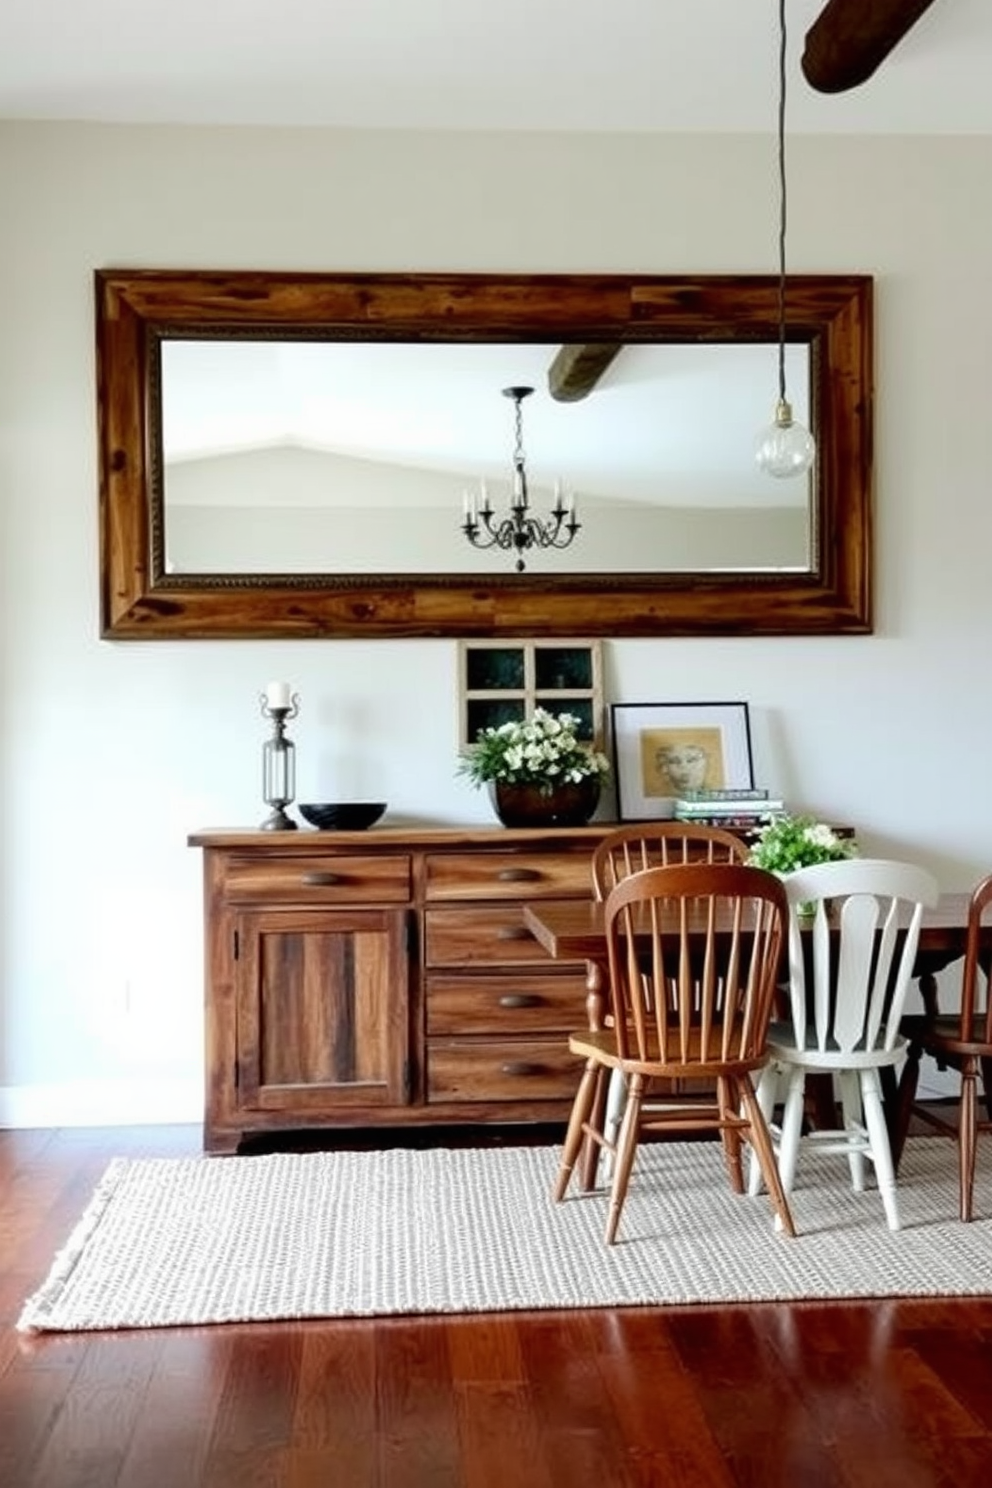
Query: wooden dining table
{"x": 574, "y": 930}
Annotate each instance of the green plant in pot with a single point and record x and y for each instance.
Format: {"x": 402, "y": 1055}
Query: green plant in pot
{"x": 539, "y": 772}
{"x": 787, "y": 843}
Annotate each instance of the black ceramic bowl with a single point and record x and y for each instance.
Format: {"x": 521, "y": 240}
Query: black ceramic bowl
{"x": 342, "y": 816}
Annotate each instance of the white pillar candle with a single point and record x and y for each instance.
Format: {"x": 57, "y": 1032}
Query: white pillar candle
{"x": 277, "y": 695}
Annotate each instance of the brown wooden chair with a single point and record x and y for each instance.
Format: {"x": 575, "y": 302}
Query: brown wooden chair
{"x": 641, "y": 845}
{"x": 961, "y": 1041}
{"x": 699, "y": 1006}
{"x": 631, "y": 849}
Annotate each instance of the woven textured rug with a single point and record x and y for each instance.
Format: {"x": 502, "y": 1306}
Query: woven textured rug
{"x": 168, "y": 1241}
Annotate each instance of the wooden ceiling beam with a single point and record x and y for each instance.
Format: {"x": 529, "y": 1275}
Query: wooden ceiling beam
{"x": 849, "y": 38}
{"x": 575, "y": 370}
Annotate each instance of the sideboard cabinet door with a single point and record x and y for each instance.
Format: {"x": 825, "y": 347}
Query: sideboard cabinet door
{"x": 322, "y": 1009}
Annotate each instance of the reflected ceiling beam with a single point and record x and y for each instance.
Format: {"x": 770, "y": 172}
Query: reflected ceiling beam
{"x": 576, "y": 370}
{"x": 849, "y": 38}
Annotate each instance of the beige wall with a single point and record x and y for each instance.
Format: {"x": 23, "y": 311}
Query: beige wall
{"x": 112, "y": 752}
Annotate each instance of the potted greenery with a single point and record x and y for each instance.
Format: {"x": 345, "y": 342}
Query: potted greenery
{"x": 539, "y": 772}
{"x": 790, "y": 842}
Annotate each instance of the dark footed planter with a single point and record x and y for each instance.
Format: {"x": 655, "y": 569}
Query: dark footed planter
{"x": 532, "y": 806}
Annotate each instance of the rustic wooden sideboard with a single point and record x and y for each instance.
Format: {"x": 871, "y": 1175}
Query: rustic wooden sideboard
{"x": 386, "y": 978}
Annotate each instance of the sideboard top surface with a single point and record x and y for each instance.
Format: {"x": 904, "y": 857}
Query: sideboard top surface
{"x": 309, "y": 840}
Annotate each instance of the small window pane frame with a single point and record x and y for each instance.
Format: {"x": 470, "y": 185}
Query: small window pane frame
{"x": 551, "y": 671}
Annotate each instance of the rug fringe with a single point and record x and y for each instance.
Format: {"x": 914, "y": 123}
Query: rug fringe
{"x": 37, "y": 1310}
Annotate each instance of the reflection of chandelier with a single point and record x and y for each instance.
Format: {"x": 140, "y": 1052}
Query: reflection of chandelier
{"x": 520, "y": 531}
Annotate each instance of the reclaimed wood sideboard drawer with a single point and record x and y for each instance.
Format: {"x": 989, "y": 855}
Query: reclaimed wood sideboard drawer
{"x": 510, "y": 1004}
{"x": 329, "y": 879}
{"x": 493, "y": 937}
{"x": 508, "y": 875}
{"x": 510, "y": 1070}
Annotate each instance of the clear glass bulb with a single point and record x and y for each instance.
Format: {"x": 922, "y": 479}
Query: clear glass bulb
{"x": 786, "y": 448}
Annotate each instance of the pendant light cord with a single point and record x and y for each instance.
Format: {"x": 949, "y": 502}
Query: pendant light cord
{"x": 781, "y": 198}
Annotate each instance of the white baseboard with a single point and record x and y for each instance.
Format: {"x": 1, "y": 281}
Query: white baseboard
{"x": 102, "y": 1103}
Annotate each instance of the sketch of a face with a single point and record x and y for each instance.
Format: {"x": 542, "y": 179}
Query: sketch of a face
{"x": 683, "y": 766}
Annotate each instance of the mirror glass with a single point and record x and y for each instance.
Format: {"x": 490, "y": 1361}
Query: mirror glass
{"x": 296, "y": 456}
{"x": 292, "y": 454}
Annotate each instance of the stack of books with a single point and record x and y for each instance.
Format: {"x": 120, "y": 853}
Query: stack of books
{"x": 740, "y": 810}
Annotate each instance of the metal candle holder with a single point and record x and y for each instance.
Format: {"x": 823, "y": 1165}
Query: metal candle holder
{"x": 278, "y": 766}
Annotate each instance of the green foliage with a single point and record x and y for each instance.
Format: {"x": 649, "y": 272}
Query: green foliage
{"x": 543, "y": 750}
{"x": 791, "y": 842}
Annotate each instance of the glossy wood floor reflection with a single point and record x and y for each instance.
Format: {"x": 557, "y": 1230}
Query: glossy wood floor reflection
{"x": 817, "y": 1396}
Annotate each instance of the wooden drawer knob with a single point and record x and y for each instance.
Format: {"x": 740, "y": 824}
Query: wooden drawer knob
{"x": 522, "y": 1067}
{"x": 520, "y": 1000}
{"x": 321, "y": 880}
{"x": 514, "y": 932}
{"x": 517, "y": 875}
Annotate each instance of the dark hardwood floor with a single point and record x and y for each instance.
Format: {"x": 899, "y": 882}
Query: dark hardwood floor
{"x": 886, "y": 1395}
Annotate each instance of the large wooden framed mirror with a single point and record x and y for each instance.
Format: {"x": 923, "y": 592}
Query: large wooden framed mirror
{"x": 291, "y": 455}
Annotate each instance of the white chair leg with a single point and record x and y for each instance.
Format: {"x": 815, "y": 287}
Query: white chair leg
{"x": 850, "y": 1100}
{"x": 871, "y": 1095}
{"x": 766, "y": 1092}
{"x": 792, "y": 1123}
{"x": 616, "y": 1101}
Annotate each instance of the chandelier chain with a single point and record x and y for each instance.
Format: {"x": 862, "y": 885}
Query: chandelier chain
{"x": 782, "y": 196}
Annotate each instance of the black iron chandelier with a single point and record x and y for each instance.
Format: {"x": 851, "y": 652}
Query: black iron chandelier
{"x": 520, "y": 530}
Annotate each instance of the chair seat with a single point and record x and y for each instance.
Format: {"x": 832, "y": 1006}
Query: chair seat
{"x": 942, "y": 1033}
{"x": 782, "y": 1048}
{"x": 602, "y": 1045}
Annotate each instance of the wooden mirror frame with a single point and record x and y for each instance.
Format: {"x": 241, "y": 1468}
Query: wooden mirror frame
{"x": 136, "y": 309}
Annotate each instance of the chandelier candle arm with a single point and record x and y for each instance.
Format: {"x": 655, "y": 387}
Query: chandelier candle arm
{"x": 520, "y": 530}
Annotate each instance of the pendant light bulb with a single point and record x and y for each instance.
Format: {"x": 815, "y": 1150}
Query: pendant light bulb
{"x": 786, "y": 448}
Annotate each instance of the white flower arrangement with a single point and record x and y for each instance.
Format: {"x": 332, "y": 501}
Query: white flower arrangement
{"x": 544, "y": 750}
{"x": 791, "y": 842}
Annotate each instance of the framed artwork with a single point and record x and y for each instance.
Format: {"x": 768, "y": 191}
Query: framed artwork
{"x": 662, "y": 751}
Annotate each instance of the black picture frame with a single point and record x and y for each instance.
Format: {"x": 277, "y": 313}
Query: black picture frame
{"x": 662, "y": 751}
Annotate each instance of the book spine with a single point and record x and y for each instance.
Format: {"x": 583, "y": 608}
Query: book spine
{"x": 748, "y": 793}
{"x": 727, "y": 808}
{"x": 744, "y": 821}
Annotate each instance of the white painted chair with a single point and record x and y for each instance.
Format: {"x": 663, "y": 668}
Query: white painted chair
{"x": 859, "y": 952}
